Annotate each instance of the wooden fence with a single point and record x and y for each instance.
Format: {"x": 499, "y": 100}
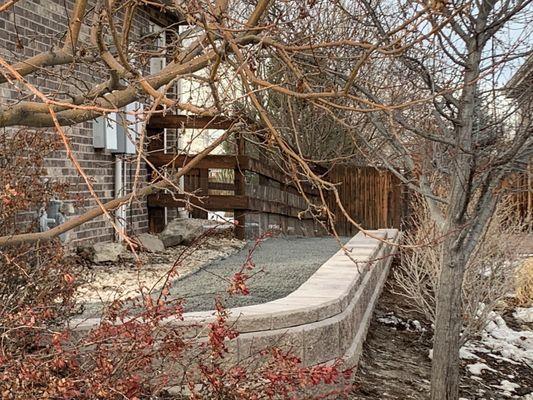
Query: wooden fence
{"x": 520, "y": 187}
{"x": 260, "y": 196}
{"x": 373, "y": 198}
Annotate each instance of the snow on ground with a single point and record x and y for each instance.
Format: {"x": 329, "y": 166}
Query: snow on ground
{"x": 478, "y": 368}
{"x": 512, "y": 345}
{"x": 411, "y": 325}
{"x": 507, "y": 388}
{"x": 524, "y": 315}
{"x": 501, "y": 350}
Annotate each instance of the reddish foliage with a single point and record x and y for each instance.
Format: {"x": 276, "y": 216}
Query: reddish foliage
{"x": 138, "y": 349}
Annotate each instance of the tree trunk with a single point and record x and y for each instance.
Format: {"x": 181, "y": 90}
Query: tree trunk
{"x": 445, "y": 367}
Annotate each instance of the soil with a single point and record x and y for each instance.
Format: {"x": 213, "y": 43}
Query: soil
{"x": 395, "y": 363}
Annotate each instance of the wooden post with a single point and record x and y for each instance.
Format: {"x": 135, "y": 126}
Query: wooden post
{"x": 203, "y": 185}
{"x": 156, "y": 215}
{"x": 405, "y": 210}
{"x": 239, "y": 189}
{"x": 529, "y": 209}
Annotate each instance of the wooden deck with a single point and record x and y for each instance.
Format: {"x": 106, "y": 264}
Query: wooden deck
{"x": 258, "y": 192}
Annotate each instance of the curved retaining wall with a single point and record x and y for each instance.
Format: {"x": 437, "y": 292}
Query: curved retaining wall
{"x": 323, "y": 320}
{"x": 327, "y": 317}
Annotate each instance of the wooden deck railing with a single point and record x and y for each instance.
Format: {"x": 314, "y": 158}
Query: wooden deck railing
{"x": 261, "y": 194}
{"x": 256, "y": 188}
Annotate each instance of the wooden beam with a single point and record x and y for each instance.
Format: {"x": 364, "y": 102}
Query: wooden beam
{"x": 275, "y": 207}
{"x": 240, "y": 190}
{"x": 160, "y": 159}
{"x": 226, "y": 203}
{"x": 189, "y": 121}
{"x": 212, "y": 203}
{"x": 221, "y": 186}
{"x": 202, "y": 190}
{"x": 273, "y": 172}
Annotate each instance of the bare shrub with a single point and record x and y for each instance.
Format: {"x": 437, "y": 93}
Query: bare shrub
{"x": 524, "y": 283}
{"x": 139, "y": 349}
{"x": 489, "y": 276}
{"x": 133, "y": 352}
{"x": 36, "y": 280}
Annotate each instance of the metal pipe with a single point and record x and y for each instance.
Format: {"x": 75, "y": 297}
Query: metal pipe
{"x": 120, "y": 212}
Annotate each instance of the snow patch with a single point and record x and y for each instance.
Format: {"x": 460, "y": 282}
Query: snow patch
{"x": 466, "y": 354}
{"x": 497, "y": 357}
{"x": 515, "y": 345}
{"x": 478, "y": 368}
{"x": 410, "y": 325}
{"x": 508, "y": 388}
{"x": 524, "y": 315}
{"x": 501, "y": 342}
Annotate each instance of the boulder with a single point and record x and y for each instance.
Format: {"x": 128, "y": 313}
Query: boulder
{"x": 183, "y": 231}
{"x": 170, "y": 240}
{"x": 151, "y": 243}
{"x": 127, "y": 255}
{"x": 105, "y": 252}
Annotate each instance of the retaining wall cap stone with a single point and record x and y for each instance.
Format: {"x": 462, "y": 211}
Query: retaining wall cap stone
{"x": 325, "y": 292}
{"x": 326, "y": 285}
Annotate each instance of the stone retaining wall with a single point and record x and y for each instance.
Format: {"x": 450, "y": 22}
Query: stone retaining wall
{"x": 323, "y": 320}
{"x": 327, "y": 317}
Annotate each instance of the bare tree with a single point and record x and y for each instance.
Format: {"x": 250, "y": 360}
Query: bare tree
{"x": 427, "y": 79}
{"x": 442, "y": 122}
{"x": 459, "y": 146}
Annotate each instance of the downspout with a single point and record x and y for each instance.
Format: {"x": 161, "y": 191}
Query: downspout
{"x": 182, "y": 211}
{"x": 165, "y": 152}
{"x": 120, "y": 213}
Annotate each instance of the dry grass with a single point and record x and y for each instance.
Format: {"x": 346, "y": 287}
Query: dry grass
{"x": 489, "y": 276}
{"x": 524, "y": 283}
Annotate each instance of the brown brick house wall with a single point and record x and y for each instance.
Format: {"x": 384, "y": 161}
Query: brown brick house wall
{"x": 33, "y": 26}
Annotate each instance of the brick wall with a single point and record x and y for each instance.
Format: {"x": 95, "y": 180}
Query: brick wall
{"x": 34, "y": 26}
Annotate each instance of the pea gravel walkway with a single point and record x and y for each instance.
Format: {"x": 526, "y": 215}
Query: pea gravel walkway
{"x": 281, "y": 266}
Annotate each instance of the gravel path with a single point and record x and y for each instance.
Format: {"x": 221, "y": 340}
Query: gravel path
{"x": 282, "y": 265}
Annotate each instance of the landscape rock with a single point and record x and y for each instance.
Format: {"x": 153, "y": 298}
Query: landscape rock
{"x": 170, "y": 240}
{"x": 183, "y": 231}
{"x": 109, "y": 281}
{"x": 151, "y": 243}
{"x": 105, "y": 252}
{"x": 127, "y": 256}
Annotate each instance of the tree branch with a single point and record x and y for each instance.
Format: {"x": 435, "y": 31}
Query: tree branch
{"x": 113, "y": 204}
